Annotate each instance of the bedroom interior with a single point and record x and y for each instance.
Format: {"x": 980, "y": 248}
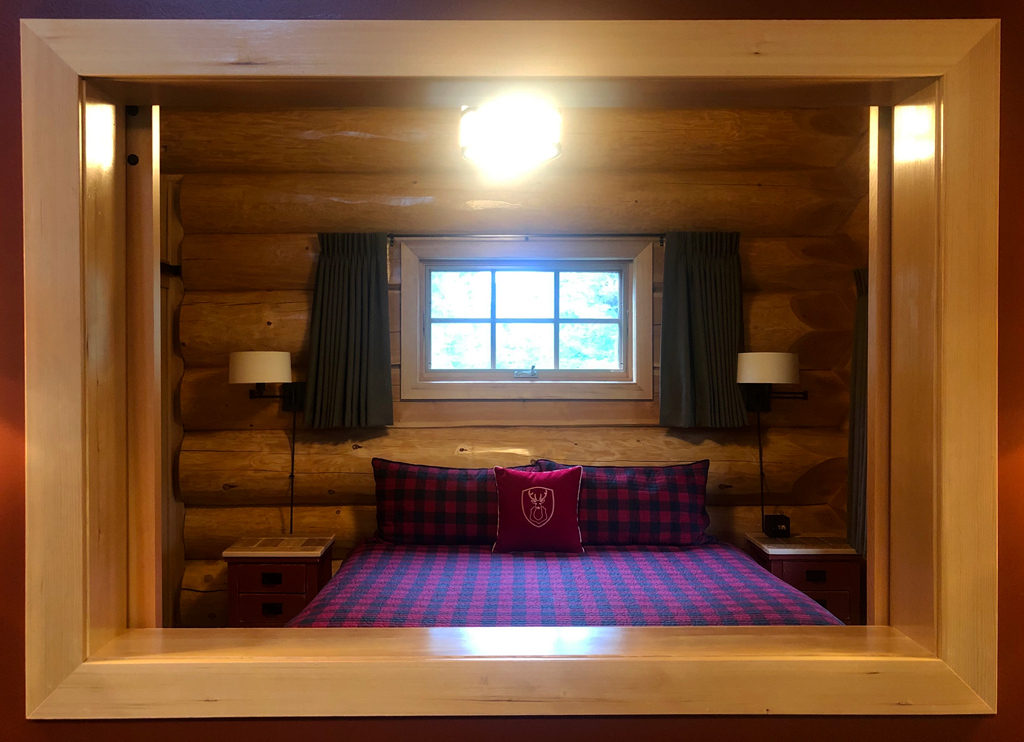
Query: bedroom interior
{"x": 247, "y": 191}
{"x": 600, "y": 419}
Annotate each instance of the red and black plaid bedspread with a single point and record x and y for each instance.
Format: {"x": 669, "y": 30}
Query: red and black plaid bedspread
{"x": 384, "y": 584}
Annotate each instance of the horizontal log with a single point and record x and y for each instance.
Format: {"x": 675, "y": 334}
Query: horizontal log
{"x": 510, "y": 446}
{"x": 729, "y": 483}
{"x": 205, "y": 575}
{"x": 208, "y": 402}
{"x": 198, "y": 609}
{"x": 212, "y": 324}
{"x": 766, "y": 203}
{"x": 217, "y": 480}
{"x": 249, "y": 262}
{"x": 791, "y": 264}
{"x": 799, "y": 263}
{"x": 427, "y": 413}
{"x": 799, "y": 322}
{"x": 827, "y": 404}
{"x": 821, "y": 349}
{"x": 210, "y": 530}
{"x": 287, "y": 262}
{"x": 235, "y": 468}
{"x": 424, "y": 139}
{"x": 730, "y": 524}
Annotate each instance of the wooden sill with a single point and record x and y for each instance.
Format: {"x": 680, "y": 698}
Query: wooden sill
{"x": 574, "y": 670}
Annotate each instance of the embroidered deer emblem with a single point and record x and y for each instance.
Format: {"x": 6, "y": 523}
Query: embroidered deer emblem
{"x": 538, "y": 505}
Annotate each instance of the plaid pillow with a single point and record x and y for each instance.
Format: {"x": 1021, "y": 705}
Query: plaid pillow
{"x": 435, "y": 504}
{"x": 642, "y": 505}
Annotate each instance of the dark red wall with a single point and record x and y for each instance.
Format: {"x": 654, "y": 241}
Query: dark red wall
{"x": 1007, "y": 726}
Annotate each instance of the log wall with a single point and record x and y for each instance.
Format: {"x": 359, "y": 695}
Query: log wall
{"x": 256, "y": 187}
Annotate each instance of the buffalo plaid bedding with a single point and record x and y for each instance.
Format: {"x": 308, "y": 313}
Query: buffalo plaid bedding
{"x": 383, "y": 584}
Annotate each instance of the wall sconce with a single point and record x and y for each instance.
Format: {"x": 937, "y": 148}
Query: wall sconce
{"x": 757, "y": 372}
{"x": 262, "y": 367}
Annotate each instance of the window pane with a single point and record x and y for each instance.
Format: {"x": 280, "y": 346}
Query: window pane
{"x": 524, "y": 294}
{"x": 525, "y": 344}
{"x": 460, "y": 294}
{"x": 588, "y": 345}
{"x": 589, "y": 295}
{"x": 460, "y": 345}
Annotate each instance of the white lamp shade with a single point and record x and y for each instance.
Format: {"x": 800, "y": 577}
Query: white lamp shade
{"x": 260, "y": 367}
{"x": 768, "y": 368}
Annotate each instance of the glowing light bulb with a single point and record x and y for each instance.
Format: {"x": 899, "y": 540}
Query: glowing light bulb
{"x": 510, "y": 135}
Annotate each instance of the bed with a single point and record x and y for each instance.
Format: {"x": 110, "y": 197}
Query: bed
{"x": 549, "y": 544}
{"x": 384, "y": 584}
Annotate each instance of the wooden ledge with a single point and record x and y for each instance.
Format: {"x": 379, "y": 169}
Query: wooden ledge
{"x": 572, "y": 670}
{"x": 586, "y": 642}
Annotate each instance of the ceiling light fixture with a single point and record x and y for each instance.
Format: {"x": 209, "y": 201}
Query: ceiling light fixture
{"x": 511, "y": 135}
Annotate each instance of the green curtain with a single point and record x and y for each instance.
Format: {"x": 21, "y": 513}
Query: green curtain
{"x": 702, "y": 331}
{"x": 857, "y": 451}
{"x": 348, "y": 384}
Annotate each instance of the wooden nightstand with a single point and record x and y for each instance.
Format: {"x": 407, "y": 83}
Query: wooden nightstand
{"x": 825, "y": 568}
{"x": 271, "y": 579}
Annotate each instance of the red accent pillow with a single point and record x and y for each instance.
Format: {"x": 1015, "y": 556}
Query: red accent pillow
{"x": 537, "y": 511}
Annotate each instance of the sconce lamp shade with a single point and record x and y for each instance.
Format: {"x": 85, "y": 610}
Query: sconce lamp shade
{"x": 260, "y": 367}
{"x": 768, "y": 368}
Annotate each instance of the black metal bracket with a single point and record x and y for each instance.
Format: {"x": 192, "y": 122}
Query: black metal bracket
{"x": 292, "y": 396}
{"x": 758, "y": 397}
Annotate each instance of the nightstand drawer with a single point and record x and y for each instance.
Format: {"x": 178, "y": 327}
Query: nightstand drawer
{"x": 271, "y": 578}
{"x": 807, "y": 574}
{"x": 268, "y": 610}
{"x": 836, "y": 602}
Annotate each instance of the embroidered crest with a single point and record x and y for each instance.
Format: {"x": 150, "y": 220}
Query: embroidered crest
{"x": 538, "y": 505}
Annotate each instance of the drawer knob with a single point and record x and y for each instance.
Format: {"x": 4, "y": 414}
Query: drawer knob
{"x": 273, "y": 609}
{"x": 271, "y": 578}
{"x": 816, "y": 575}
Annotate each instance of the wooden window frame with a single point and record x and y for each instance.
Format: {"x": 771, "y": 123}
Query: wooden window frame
{"x": 89, "y": 652}
{"x": 636, "y": 382}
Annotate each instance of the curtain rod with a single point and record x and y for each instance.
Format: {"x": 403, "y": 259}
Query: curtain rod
{"x": 525, "y": 237}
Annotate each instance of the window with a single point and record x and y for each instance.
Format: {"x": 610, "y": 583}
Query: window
{"x": 545, "y": 317}
{"x": 519, "y": 318}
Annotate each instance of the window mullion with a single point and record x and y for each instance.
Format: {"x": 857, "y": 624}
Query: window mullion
{"x": 494, "y": 320}
{"x": 625, "y": 311}
{"x": 558, "y": 313}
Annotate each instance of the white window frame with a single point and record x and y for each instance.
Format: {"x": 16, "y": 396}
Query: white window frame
{"x": 634, "y": 381}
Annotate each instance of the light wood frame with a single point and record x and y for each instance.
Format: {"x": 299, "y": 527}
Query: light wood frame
{"x": 634, "y": 382}
{"x": 82, "y": 660}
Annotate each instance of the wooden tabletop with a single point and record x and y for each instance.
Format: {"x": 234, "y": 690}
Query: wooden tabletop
{"x": 806, "y": 544}
{"x": 279, "y": 546}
